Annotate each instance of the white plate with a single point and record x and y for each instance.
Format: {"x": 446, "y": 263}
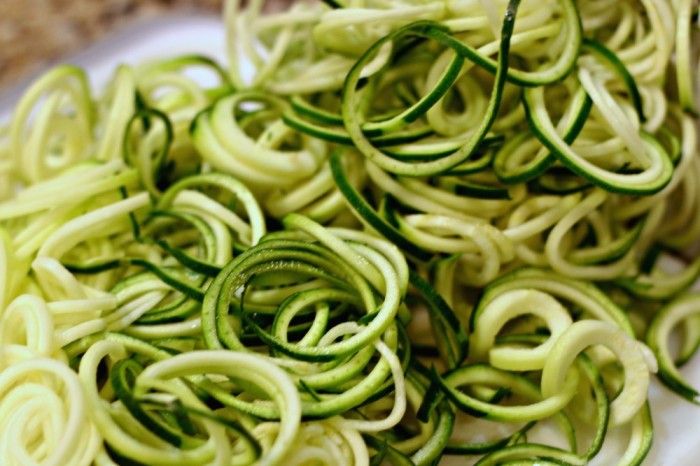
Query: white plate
{"x": 162, "y": 38}
{"x": 676, "y": 422}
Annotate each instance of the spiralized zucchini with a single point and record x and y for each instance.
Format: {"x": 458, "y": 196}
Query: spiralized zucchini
{"x": 386, "y": 233}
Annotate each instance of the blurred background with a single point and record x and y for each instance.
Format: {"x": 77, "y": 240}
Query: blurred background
{"x": 37, "y": 33}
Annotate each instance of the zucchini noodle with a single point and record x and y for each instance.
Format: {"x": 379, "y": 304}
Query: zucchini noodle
{"x": 385, "y": 232}
{"x": 44, "y": 413}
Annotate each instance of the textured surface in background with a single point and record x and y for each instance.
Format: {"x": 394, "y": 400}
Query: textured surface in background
{"x": 35, "y": 33}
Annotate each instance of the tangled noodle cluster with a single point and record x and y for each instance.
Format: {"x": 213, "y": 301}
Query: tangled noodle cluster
{"x": 384, "y": 221}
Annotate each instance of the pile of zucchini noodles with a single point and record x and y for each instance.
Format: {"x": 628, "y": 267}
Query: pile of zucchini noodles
{"x": 385, "y": 232}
